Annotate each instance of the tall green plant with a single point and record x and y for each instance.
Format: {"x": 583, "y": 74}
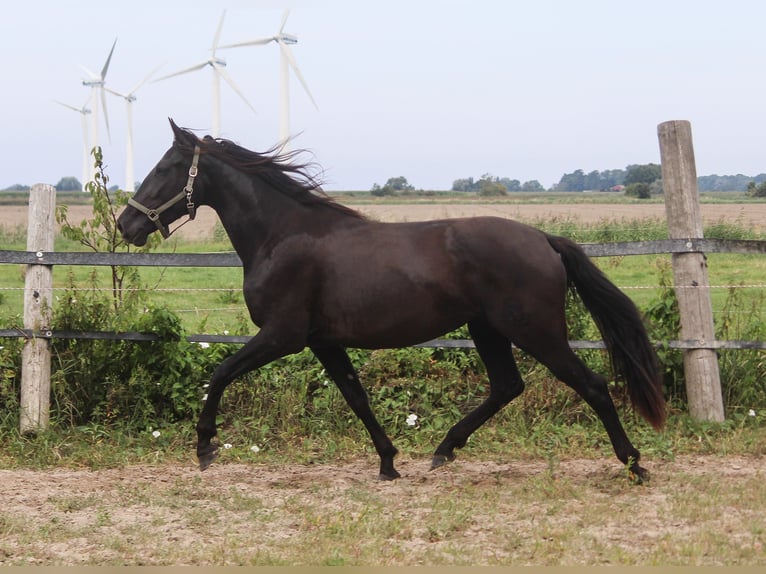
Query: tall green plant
{"x": 104, "y": 381}
{"x": 664, "y": 320}
{"x": 100, "y": 233}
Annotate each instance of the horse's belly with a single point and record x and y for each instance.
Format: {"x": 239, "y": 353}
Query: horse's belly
{"x": 386, "y": 321}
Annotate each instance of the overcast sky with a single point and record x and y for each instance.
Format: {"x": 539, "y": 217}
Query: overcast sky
{"x": 432, "y": 90}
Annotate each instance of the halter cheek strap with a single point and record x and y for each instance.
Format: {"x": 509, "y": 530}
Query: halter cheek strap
{"x": 154, "y": 214}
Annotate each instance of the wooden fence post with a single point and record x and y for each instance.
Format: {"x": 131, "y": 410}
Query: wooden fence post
{"x": 38, "y": 285}
{"x": 690, "y": 277}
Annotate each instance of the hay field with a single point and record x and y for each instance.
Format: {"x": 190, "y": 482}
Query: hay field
{"x": 750, "y": 214}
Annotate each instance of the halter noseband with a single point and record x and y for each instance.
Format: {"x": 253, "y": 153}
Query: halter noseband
{"x": 154, "y": 214}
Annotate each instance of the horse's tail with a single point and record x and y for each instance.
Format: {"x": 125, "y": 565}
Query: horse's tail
{"x": 619, "y": 321}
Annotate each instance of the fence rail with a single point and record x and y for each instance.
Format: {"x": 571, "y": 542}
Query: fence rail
{"x": 230, "y": 259}
{"x": 433, "y": 343}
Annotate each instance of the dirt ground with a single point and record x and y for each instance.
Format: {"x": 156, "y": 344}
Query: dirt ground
{"x": 753, "y": 215}
{"x": 568, "y": 512}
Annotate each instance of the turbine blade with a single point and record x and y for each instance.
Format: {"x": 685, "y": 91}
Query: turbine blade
{"x": 217, "y": 36}
{"x": 106, "y": 115}
{"x": 67, "y": 106}
{"x": 256, "y": 42}
{"x": 142, "y": 82}
{"x": 93, "y": 75}
{"x": 225, "y": 75}
{"x": 294, "y": 65}
{"x": 109, "y": 59}
{"x": 116, "y": 93}
{"x": 285, "y": 14}
{"x": 184, "y": 71}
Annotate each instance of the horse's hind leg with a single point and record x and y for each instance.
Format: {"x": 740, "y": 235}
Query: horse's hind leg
{"x": 337, "y": 364}
{"x": 554, "y": 353}
{"x": 505, "y": 384}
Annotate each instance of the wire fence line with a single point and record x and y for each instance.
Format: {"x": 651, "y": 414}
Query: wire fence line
{"x": 230, "y": 259}
{"x": 228, "y": 289}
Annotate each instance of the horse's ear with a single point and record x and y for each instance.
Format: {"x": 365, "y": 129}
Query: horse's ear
{"x": 177, "y": 132}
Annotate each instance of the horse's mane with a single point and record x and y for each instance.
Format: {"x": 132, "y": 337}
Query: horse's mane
{"x": 280, "y": 170}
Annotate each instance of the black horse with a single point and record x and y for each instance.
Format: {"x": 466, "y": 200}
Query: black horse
{"x": 321, "y": 275}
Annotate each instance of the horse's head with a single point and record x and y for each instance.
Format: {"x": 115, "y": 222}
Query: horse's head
{"x": 166, "y": 194}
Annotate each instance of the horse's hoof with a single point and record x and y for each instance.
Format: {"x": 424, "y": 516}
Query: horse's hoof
{"x": 205, "y": 460}
{"x": 389, "y": 475}
{"x": 440, "y": 460}
{"x": 638, "y": 475}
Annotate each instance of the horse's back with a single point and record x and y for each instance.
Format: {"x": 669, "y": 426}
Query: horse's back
{"x": 387, "y": 284}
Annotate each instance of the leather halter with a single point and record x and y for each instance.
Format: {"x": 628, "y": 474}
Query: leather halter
{"x": 154, "y": 214}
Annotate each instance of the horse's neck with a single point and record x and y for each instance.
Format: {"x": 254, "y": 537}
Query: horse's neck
{"x": 252, "y": 214}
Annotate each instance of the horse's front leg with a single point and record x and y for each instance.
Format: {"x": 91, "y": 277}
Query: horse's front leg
{"x": 265, "y": 347}
{"x": 337, "y": 364}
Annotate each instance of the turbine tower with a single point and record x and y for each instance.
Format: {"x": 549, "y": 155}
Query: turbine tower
{"x": 219, "y": 71}
{"x": 130, "y": 97}
{"x": 84, "y": 111}
{"x": 286, "y": 61}
{"x": 96, "y": 84}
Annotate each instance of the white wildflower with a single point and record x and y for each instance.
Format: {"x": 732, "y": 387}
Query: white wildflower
{"x": 255, "y": 448}
{"x": 225, "y": 332}
{"x": 226, "y": 445}
{"x": 204, "y": 397}
{"x": 156, "y": 434}
{"x": 412, "y": 419}
{"x": 204, "y": 345}
{"x": 751, "y": 413}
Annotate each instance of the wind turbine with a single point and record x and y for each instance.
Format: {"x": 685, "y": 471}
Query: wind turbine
{"x": 83, "y": 111}
{"x": 287, "y": 61}
{"x": 96, "y": 84}
{"x": 130, "y": 97}
{"x": 219, "y": 71}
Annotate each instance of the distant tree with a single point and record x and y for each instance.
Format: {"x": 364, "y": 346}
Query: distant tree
{"x": 737, "y": 182}
{"x": 640, "y": 189}
{"x": 574, "y": 181}
{"x": 69, "y": 184}
{"x": 532, "y": 185}
{"x": 381, "y": 191}
{"x": 488, "y": 188}
{"x": 489, "y": 184}
{"x": 399, "y": 184}
{"x": 510, "y": 184}
{"x": 17, "y": 187}
{"x": 756, "y": 190}
{"x": 611, "y": 178}
{"x": 467, "y": 184}
{"x": 393, "y": 185}
{"x": 646, "y": 173}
